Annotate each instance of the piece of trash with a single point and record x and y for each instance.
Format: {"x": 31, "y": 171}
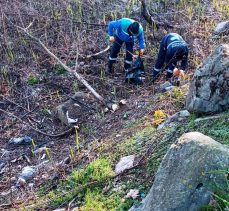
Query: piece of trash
{"x": 39, "y": 150}
{"x": 169, "y": 88}
{"x": 124, "y": 163}
{"x": 2, "y": 164}
{"x": 133, "y": 193}
{"x": 43, "y": 156}
{"x": 118, "y": 135}
{"x": 106, "y": 110}
{"x": 115, "y": 107}
{"x": 77, "y": 105}
{"x": 70, "y": 120}
{"x": 4, "y": 152}
{"x": 26, "y": 174}
{"x": 142, "y": 195}
{"x": 125, "y": 116}
{"x": 27, "y": 159}
{"x": 165, "y": 85}
{"x": 21, "y": 140}
{"x": 123, "y": 102}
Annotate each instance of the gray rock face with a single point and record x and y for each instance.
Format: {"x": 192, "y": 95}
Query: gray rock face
{"x": 209, "y": 88}
{"x": 188, "y": 174}
{"x": 222, "y": 28}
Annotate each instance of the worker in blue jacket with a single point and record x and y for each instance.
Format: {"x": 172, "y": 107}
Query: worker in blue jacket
{"x": 126, "y": 31}
{"x": 172, "y": 50}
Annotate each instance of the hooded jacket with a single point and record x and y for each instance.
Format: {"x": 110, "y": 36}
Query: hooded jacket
{"x": 120, "y": 29}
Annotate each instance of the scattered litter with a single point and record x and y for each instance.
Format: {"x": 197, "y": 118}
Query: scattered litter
{"x": 165, "y": 85}
{"x": 31, "y": 185}
{"x": 17, "y": 159}
{"x": 43, "y": 156}
{"x": 133, "y": 193}
{"x": 106, "y": 110}
{"x": 123, "y": 102}
{"x": 70, "y": 120}
{"x": 39, "y": 150}
{"x": 125, "y": 116}
{"x": 169, "y": 88}
{"x": 124, "y": 163}
{"x": 4, "y": 152}
{"x": 21, "y": 140}
{"x": 115, "y": 107}
{"x": 26, "y": 174}
{"x": 142, "y": 195}
{"x": 2, "y": 164}
{"x": 27, "y": 159}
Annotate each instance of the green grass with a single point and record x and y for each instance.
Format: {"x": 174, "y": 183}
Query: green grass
{"x": 59, "y": 69}
{"x": 76, "y": 185}
{"x": 32, "y": 80}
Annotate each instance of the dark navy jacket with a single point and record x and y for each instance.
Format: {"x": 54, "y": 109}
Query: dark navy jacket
{"x": 176, "y": 48}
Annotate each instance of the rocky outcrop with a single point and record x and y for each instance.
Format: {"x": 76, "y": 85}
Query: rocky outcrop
{"x": 209, "y": 88}
{"x": 222, "y": 28}
{"x": 188, "y": 174}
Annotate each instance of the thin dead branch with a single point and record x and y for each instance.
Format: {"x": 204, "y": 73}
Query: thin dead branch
{"x": 37, "y": 130}
{"x": 77, "y": 75}
{"x": 99, "y": 53}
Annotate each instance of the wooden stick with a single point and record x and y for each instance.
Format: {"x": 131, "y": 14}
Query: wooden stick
{"x": 35, "y": 129}
{"x": 77, "y": 75}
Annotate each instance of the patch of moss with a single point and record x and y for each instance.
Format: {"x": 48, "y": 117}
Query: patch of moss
{"x": 32, "y": 80}
{"x": 76, "y": 185}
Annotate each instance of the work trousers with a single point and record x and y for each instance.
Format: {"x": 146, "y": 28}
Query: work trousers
{"x": 116, "y": 49}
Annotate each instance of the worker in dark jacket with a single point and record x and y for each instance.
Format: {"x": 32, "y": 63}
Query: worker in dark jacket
{"x": 172, "y": 50}
{"x": 126, "y": 31}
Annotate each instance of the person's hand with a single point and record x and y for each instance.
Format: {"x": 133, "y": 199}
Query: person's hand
{"x": 141, "y": 52}
{"x": 176, "y": 72}
{"x": 111, "y": 39}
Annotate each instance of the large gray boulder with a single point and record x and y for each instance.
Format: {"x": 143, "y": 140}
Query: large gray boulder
{"x": 209, "y": 88}
{"x": 222, "y": 28}
{"x": 188, "y": 174}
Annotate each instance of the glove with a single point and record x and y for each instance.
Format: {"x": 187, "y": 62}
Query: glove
{"x": 141, "y": 52}
{"x": 182, "y": 74}
{"x": 111, "y": 39}
{"x": 176, "y": 72}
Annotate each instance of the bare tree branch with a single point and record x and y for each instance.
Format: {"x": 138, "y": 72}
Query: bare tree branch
{"x": 99, "y": 53}
{"x": 77, "y": 75}
{"x": 35, "y": 129}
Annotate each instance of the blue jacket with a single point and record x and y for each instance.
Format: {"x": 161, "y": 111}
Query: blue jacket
{"x": 120, "y": 27}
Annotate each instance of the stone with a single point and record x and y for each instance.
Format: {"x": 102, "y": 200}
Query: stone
{"x": 165, "y": 86}
{"x": 70, "y": 111}
{"x": 184, "y": 113}
{"x": 209, "y": 88}
{"x": 124, "y": 163}
{"x": 27, "y": 172}
{"x": 21, "y": 140}
{"x": 222, "y": 27}
{"x": 188, "y": 174}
